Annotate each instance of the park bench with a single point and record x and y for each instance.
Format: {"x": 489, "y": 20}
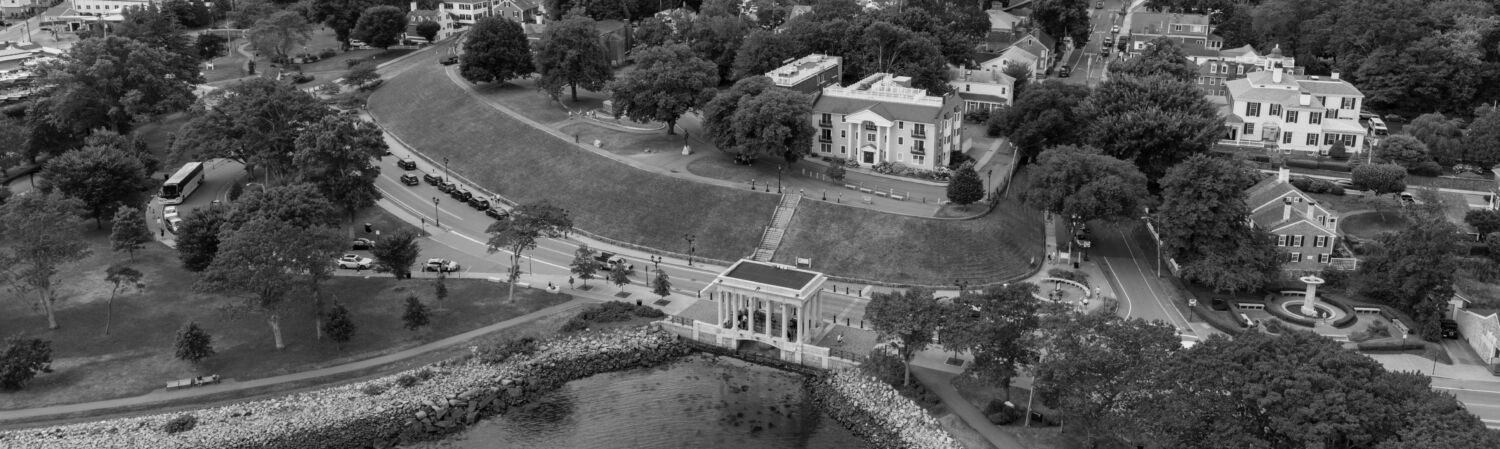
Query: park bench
{"x": 196, "y": 381}
{"x": 804, "y": 262}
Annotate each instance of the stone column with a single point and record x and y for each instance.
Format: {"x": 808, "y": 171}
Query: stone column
{"x": 750, "y": 315}
{"x": 783, "y": 321}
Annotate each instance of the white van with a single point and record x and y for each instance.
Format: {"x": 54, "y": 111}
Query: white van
{"x": 174, "y": 224}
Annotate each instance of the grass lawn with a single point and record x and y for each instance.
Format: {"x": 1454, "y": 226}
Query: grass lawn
{"x": 229, "y": 66}
{"x": 1370, "y": 225}
{"x": 137, "y": 357}
{"x": 862, "y": 243}
{"x": 526, "y": 165}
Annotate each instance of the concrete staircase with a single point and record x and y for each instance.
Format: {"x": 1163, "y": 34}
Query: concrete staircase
{"x": 770, "y": 239}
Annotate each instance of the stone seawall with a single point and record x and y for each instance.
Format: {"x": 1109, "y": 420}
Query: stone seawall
{"x": 421, "y": 404}
{"x": 877, "y": 413}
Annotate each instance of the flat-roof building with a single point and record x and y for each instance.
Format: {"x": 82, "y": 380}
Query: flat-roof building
{"x": 809, "y": 74}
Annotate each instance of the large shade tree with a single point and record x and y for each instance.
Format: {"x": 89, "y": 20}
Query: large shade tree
{"x": 1081, "y": 182}
{"x": 339, "y": 15}
{"x": 571, "y": 55}
{"x": 338, "y": 155}
{"x": 300, "y": 205}
{"x": 1203, "y": 206}
{"x": 1415, "y": 272}
{"x": 528, "y": 225}
{"x": 999, "y": 327}
{"x": 114, "y": 82}
{"x": 255, "y": 122}
{"x": 380, "y": 26}
{"x": 753, "y": 120}
{"x": 1043, "y": 116}
{"x": 279, "y": 33}
{"x": 1153, "y": 121}
{"x": 668, "y": 81}
{"x": 254, "y": 262}
{"x": 100, "y": 177}
{"x": 1094, "y": 366}
{"x": 908, "y": 319}
{"x": 1162, "y": 56}
{"x": 495, "y": 50}
{"x": 40, "y": 235}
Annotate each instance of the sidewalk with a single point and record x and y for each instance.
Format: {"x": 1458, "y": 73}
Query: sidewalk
{"x": 941, "y": 382}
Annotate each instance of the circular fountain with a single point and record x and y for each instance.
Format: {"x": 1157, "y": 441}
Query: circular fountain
{"x": 1309, "y": 306}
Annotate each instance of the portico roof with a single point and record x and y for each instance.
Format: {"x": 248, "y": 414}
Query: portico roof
{"x": 773, "y": 275}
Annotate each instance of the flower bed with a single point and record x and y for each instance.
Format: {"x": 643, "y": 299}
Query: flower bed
{"x": 874, "y": 411}
{"x": 380, "y": 412}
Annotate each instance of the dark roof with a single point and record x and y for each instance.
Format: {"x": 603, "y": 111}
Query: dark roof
{"x": 906, "y": 112}
{"x": 609, "y": 26}
{"x": 771, "y": 275}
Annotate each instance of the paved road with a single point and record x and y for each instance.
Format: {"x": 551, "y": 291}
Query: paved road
{"x": 1086, "y": 63}
{"x": 1132, "y": 268}
{"x": 1483, "y": 400}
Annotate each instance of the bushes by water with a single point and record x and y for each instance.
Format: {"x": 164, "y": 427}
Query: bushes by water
{"x": 609, "y": 312}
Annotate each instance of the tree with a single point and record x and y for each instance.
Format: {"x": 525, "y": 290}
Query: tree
{"x": 1022, "y": 76}
{"x": 653, "y": 32}
{"x": 254, "y": 122}
{"x": 965, "y": 188}
{"x": 23, "y": 359}
{"x": 340, "y": 15}
{"x": 1415, "y": 273}
{"x": 361, "y": 74}
{"x": 1403, "y": 150}
{"x": 528, "y": 223}
{"x": 894, "y": 49}
{"x": 254, "y": 261}
{"x": 764, "y": 51}
{"x": 1043, "y": 117}
{"x": 571, "y": 54}
{"x": 1097, "y": 364}
{"x": 1081, "y": 182}
{"x": 584, "y": 266}
{"x": 1337, "y": 151}
{"x": 100, "y": 177}
{"x": 429, "y": 31}
{"x": 191, "y": 14}
{"x": 338, "y": 154}
{"x": 118, "y": 275}
{"x": 662, "y": 285}
{"x": 128, "y": 231}
{"x": 340, "y": 326}
{"x": 380, "y": 26}
{"x": 1246, "y": 263}
{"x": 113, "y": 82}
{"x": 396, "y": 252}
{"x": 198, "y": 237}
{"x": 999, "y": 327}
{"x": 193, "y": 343}
{"x": 1152, "y": 121}
{"x": 157, "y": 27}
{"x": 496, "y": 50}
{"x": 279, "y": 33}
{"x": 753, "y": 120}
{"x": 1162, "y": 56}
{"x": 210, "y": 46}
{"x": 1203, "y": 206}
{"x": 1061, "y": 18}
{"x": 1481, "y": 143}
{"x": 1380, "y": 178}
{"x": 247, "y": 12}
{"x": 1483, "y": 221}
{"x": 299, "y": 205}
{"x": 314, "y": 260}
{"x": 440, "y": 287}
{"x": 619, "y": 275}
{"x": 40, "y": 233}
{"x": 668, "y": 82}
{"x": 416, "y": 314}
{"x": 1442, "y": 135}
{"x": 910, "y": 318}
{"x": 718, "y": 40}
{"x": 718, "y": 114}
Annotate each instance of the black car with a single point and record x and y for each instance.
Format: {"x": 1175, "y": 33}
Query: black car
{"x": 479, "y": 203}
{"x": 362, "y": 243}
{"x": 1062, "y": 72}
{"x": 432, "y": 179}
{"x": 497, "y": 214}
{"x": 410, "y": 180}
{"x": 1450, "y": 329}
{"x": 446, "y": 187}
{"x": 450, "y": 60}
{"x": 1219, "y": 304}
{"x": 407, "y": 164}
{"x": 460, "y": 194}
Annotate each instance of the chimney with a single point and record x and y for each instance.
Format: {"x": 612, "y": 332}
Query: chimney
{"x": 1310, "y": 210}
{"x": 1335, "y": 76}
{"x": 1305, "y": 99}
{"x": 1276, "y": 75}
{"x": 1286, "y": 209}
{"x": 1284, "y": 175}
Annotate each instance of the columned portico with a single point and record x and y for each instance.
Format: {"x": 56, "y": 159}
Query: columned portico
{"x": 767, "y": 302}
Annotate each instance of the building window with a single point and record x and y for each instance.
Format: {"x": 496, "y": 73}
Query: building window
{"x": 1281, "y": 240}
{"x": 919, "y": 147}
{"x": 826, "y": 147}
{"x": 1332, "y": 113}
{"x": 869, "y": 126}
{"x": 1291, "y": 116}
{"x": 1294, "y": 257}
{"x": 1320, "y": 241}
{"x": 1286, "y": 137}
{"x": 1275, "y": 110}
{"x": 900, "y": 141}
{"x": 1348, "y": 140}
{"x": 1249, "y": 129}
{"x": 1314, "y": 118}
{"x": 826, "y": 136}
{"x": 918, "y": 130}
{"x": 1239, "y": 70}
{"x": 967, "y": 88}
{"x": 870, "y": 137}
{"x": 1324, "y": 258}
{"x": 1252, "y": 109}
{"x": 1213, "y": 68}
{"x": 1301, "y": 241}
{"x": 843, "y": 149}
{"x": 844, "y": 134}
{"x": 1312, "y": 139}
{"x": 1346, "y": 103}
{"x": 918, "y": 158}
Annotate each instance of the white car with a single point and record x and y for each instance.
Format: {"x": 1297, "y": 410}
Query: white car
{"x": 1114, "y": 29}
{"x": 354, "y": 262}
{"x": 441, "y": 266}
{"x": 169, "y": 212}
{"x": 174, "y": 225}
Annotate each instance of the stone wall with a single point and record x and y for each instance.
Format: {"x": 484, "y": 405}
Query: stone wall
{"x": 877, "y": 413}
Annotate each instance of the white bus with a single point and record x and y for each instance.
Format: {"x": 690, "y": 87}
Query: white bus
{"x": 182, "y": 184}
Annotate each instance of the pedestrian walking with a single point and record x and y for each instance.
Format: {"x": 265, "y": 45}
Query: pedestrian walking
{"x": 570, "y": 282}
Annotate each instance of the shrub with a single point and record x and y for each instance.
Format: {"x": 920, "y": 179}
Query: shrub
{"x": 1392, "y": 344}
{"x": 1275, "y": 327}
{"x": 979, "y": 116}
{"x": 1075, "y": 276}
{"x": 1336, "y": 190}
{"x": 1334, "y": 278}
{"x": 1284, "y": 316}
{"x": 851, "y": 163}
{"x": 1338, "y": 152}
{"x": 1001, "y": 414}
{"x": 425, "y": 374}
{"x": 609, "y": 312}
{"x": 406, "y": 381}
{"x": 835, "y": 170}
{"x": 327, "y": 53}
{"x": 181, "y": 423}
{"x": 1427, "y": 168}
{"x": 994, "y": 126}
{"x": 372, "y": 389}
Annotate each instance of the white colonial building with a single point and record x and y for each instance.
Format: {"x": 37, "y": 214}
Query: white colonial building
{"x": 1295, "y": 113}
{"x": 983, "y": 89}
{"x": 883, "y": 119}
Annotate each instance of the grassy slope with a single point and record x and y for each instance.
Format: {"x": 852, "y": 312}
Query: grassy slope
{"x": 525, "y": 164}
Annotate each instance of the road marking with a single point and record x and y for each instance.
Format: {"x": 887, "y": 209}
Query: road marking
{"x": 1163, "y": 305}
{"x": 1467, "y": 389}
{"x": 1129, "y": 306}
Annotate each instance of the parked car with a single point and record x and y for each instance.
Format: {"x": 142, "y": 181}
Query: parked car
{"x": 354, "y": 262}
{"x": 432, "y": 179}
{"x": 410, "y": 180}
{"x": 608, "y": 260}
{"x": 497, "y": 213}
{"x": 1450, "y": 329}
{"x": 1114, "y": 29}
{"x": 446, "y": 187}
{"x": 450, "y": 60}
{"x": 440, "y": 266}
{"x": 407, "y": 164}
{"x": 174, "y": 224}
{"x": 479, "y": 203}
{"x": 1219, "y": 304}
{"x": 1063, "y": 72}
{"x": 362, "y": 243}
{"x": 169, "y": 212}
{"x": 458, "y": 193}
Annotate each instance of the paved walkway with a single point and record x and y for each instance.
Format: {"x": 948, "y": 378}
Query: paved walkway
{"x": 941, "y": 382}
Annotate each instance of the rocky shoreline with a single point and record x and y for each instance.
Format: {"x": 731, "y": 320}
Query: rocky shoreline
{"x": 877, "y": 413}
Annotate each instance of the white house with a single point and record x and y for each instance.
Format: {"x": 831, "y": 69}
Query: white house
{"x": 883, "y": 119}
{"x": 982, "y": 89}
{"x": 1295, "y": 113}
{"x": 106, "y": 8}
{"x": 1033, "y": 50}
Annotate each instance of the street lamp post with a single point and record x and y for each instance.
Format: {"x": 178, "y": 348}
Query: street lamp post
{"x": 778, "y": 177}
{"x": 690, "y": 238}
{"x": 437, "y": 221}
{"x": 445, "y": 168}
{"x": 655, "y": 261}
